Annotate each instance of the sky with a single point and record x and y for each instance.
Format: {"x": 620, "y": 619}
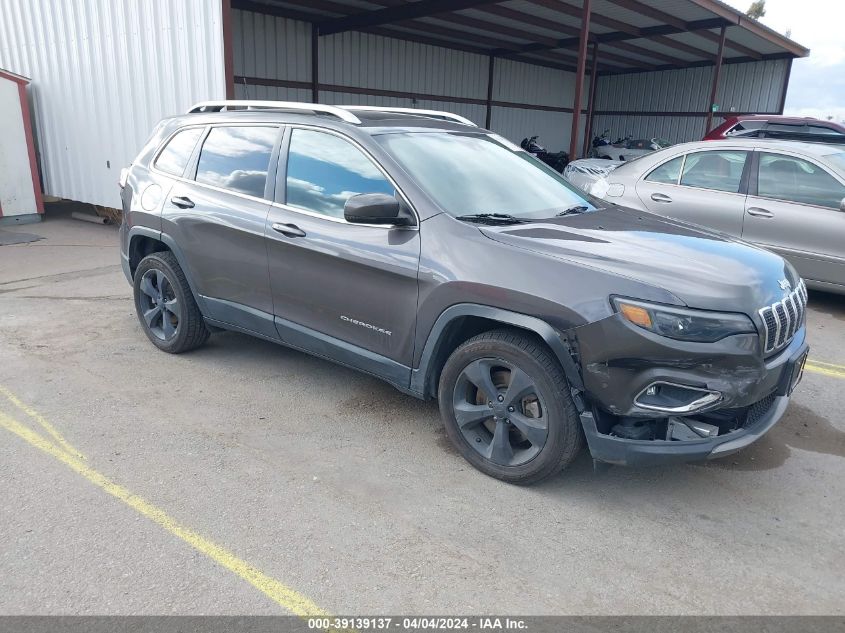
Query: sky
{"x": 817, "y": 83}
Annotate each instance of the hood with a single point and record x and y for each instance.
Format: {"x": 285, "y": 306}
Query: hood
{"x": 703, "y": 269}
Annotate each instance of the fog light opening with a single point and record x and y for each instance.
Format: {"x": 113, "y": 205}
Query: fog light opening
{"x": 668, "y": 397}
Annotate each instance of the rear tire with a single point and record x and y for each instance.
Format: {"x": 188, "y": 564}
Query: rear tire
{"x": 165, "y": 305}
{"x": 507, "y": 407}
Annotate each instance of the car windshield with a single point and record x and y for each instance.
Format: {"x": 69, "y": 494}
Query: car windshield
{"x": 837, "y": 160}
{"x": 470, "y": 174}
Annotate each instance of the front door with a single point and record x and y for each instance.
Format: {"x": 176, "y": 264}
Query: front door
{"x": 343, "y": 290}
{"x": 704, "y": 187}
{"x": 794, "y": 209}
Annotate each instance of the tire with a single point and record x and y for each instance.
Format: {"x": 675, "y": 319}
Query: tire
{"x": 174, "y": 323}
{"x": 510, "y": 360}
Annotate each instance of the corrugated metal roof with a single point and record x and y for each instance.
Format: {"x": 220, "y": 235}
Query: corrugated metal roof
{"x": 633, "y": 35}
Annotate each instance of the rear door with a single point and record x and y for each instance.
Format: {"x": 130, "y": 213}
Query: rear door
{"x": 793, "y": 208}
{"x": 216, "y": 215}
{"x": 704, "y": 187}
{"x": 343, "y": 290}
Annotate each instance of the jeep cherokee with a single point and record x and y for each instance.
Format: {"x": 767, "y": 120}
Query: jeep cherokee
{"x": 440, "y": 257}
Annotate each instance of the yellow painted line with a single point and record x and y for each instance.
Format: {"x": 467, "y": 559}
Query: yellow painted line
{"x": 279, "y": 593}
{"x": 825, "y": 369}
{"x": 43, "y": 423}
{"x": 831, "y": 365}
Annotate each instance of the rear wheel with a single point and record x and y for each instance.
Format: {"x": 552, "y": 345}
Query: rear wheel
{"x": 507, "y": 407}
{"x": 165, "y": 305}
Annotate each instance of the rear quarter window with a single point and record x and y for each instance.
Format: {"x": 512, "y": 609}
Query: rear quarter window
{"x": 174, "y": 157}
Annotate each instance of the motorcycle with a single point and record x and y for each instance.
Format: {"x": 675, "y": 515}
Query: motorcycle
{"x": 555, "y": 160}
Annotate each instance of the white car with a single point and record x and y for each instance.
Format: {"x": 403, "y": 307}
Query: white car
{"x": 584, "y": 172}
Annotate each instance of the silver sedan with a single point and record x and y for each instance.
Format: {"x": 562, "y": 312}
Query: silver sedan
{"x": 783, "y": 195}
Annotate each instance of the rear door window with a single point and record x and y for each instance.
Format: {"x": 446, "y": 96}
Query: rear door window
{"x": 237, "y": 158}
{"x": 668, "y": 172}
{"x": 716, "y": 170}
{"x": 820, "y": 130}
{"x": 785, "y": 130}
{"x": 175, "y": 156}
{"x": 795, "y": 180}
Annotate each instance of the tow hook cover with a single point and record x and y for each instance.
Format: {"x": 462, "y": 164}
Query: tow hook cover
{"x": 684, "y": 430}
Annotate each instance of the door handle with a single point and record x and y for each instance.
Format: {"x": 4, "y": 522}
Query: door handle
{"x": 183, "y": 202}
{"x": 290, "y": 230}
{"x": 757, "y": 212}
{"x": 660, "y": 197}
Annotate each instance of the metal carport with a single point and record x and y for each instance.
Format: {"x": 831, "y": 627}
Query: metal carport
{"x": 103, "y": 73}
{"x": 646, "y": 60}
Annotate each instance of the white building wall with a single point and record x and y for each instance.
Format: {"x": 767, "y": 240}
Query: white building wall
{"x": 103, "y": 73}
{"x": 748, "y": 87}
{"x": 17, "y": 197}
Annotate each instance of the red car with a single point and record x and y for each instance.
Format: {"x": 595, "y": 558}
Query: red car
{"x": 776, "y": 126}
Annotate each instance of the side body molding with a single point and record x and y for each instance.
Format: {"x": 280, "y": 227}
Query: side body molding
{"x": 421, "y": 376}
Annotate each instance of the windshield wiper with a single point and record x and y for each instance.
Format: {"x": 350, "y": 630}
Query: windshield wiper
{"x": 491, "y": 218}
{"x": 579, "y": 208}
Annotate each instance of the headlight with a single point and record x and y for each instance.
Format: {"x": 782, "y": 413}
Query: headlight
{"x": 683, "y": 324}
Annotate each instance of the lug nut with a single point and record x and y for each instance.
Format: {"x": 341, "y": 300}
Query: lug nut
{"x": 511, "y": 409}
{"x": 507, "y": 421}
{"x": 490, "y": 404}
{"x": 501, "y": 398}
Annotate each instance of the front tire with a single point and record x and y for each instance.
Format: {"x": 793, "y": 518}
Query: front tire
{"x": 165, "y": 305}
{"x": 507, "y": 407}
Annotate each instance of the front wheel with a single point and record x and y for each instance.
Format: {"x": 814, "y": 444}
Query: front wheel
{"x": 507, "y": 407}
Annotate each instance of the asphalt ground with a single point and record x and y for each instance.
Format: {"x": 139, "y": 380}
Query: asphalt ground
{"x": 247, "y": 478}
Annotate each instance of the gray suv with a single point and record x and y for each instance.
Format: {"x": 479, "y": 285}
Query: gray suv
{"x": 442, "y": 258}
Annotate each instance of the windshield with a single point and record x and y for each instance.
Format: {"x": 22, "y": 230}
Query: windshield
{"x": 470, "y": 174}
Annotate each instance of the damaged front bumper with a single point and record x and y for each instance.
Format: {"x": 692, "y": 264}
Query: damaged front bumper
{"x": 619, "y": 362}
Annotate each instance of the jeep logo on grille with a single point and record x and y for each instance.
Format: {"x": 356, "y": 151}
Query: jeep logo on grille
{"x": 784, "y": 284}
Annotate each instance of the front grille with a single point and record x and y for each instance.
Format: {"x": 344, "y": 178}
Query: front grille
{"x": 782, "y": 320}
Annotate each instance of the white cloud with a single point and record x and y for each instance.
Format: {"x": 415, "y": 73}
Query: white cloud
{"x": 333, "y": 150}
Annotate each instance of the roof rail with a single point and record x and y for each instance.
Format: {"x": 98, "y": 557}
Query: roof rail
{"x": 218, "y": 106}
{"x": 432, "y": 113}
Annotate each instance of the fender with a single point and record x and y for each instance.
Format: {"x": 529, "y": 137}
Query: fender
{"x": 554, "y": 339}
{"x": 168, "y": 241}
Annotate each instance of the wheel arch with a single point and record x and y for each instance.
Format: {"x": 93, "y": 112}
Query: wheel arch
{"x": 144, "y": 241}
{"x": 461, "y": 322}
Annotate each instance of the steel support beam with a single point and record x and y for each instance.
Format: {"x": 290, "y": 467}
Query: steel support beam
{"x": 579, "y": 76}
{"x": 408, "y": 11}
{"x": 591, "y": 104}
{"x": 490, "y": 70}
{"x": 717, "y": 70}
{"x": 228, "y": 52}
{"x": 315, "y": 64}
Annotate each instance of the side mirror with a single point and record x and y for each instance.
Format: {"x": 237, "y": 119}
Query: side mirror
{"x": 842, "y": 205}
{"x": 375, "y": 208}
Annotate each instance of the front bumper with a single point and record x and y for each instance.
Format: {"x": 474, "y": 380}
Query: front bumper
{"x": 613, "y": 376}
{"x": 624, "y": 452}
